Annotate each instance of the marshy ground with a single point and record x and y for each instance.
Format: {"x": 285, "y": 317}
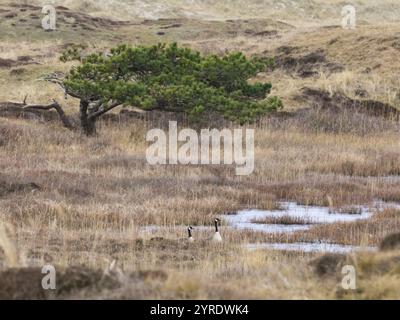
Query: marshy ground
{"x": 79, "y": 203}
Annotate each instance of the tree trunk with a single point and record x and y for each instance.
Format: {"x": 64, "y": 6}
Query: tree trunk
{"x": 88, "y": 125}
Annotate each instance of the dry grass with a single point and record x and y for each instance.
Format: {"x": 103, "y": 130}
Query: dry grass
{"x": 327, "y": 11}
{"x": 78, "y": 201}
{"x": 284, "y": 220}
{"x": 360, "y": 233}
{"x": 73, "y": 201}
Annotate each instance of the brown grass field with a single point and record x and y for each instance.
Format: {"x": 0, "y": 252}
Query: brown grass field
{"x": 79, "y": 203}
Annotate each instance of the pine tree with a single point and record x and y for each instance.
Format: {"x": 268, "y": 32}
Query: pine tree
{"x": 168, "y": 78}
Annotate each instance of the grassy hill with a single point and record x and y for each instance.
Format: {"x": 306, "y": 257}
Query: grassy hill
{"x": 369, "y": 10}
{"x": 350, "y": 61}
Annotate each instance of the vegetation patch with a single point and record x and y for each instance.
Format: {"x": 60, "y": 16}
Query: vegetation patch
{"x": 284, "y": 220}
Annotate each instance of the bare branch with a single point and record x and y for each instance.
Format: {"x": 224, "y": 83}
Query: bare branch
{"x": 55, "y": 105}
{"x": 95, "y": 106}
{"x": 103, "y": 109}
{"x": 58, "y": 79}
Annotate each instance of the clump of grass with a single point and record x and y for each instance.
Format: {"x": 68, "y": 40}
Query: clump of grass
{"x": 8, "y": 246}
{"x": 285, "y": 220}
{"x": 327, "y": 264}
{"x": 347, "y": 210}
{"x": 390, "y": 242}
{"x": 377, "y": 277}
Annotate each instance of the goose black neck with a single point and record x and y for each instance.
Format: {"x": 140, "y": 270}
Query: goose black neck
{"x": 216, "y": 225}
{"x": 190, "y": 232}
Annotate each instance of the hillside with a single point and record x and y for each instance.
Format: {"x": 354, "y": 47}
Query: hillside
{"x": 351, "y": 62}
{"x": 302, "y": 10}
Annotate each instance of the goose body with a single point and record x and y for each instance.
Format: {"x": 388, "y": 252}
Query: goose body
{"x": 217, "y": 236}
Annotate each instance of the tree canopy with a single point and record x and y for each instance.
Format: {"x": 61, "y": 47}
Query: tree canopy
{"x": 171, "y": 78}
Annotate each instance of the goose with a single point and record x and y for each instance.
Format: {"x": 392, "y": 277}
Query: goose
{"x": 217, "y": 236}
{"x": 190, "y": 238}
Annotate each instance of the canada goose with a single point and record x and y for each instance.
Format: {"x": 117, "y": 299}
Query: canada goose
{"x": 217, "y": 236}
{"x": 190, "y": 238}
